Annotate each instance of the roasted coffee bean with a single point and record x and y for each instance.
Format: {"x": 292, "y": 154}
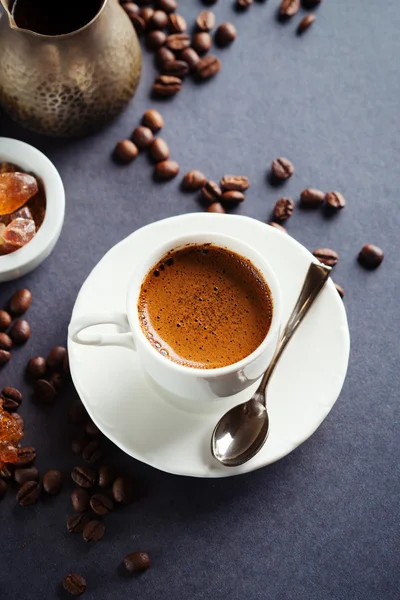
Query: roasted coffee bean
{"x": 123, "y": 490}
{"x": 45, "y": 392}
{"x": 305, "y": 23}
{"x": 142, "y": 137}
{"x": 326, "y": 256}
{"x": 153, "y": 120}
{"x": 166, "y": 170}
{"x": 242, "y": 4}
{"x": 311, "y": 198}
{"x": 202, "y": 42}
{"x": 28, "y": 493}
{"x": 7, "y": 472}
{"x": 335, "y": 200}
{"x": 283, "y": 209}
{"x": 289, "y": 7}
{"x": 167, "y": 85}
{"x": 21, "y": 476}
{"x": 92, "y": 429}
{"x": 137, "y": 562}
{"x": 4, "y": 357}
{"x": 25, "y": 456}
{"x": 101, "y": 504}
{"x": 130, "y": 8}
{"x": 226, "y": 33}
{"x": 159, "y": 150}
{"x": 56, "y": 357}
{"x": 56, "y": 380}
{"x": 84, "y": 477}
{"x": 193, "y": 181}
{"x": 340, "y": 290}
{"x": 11, "y": 398}
{"x": 307, "y": 4}
{"x": 20, "y": 332}
{"x": 208, "y": 66}
{"x": 282, "y": 168}
{"x": 77, "y": 413}
{"x": 205, "y": 21}
{"x": 216, "y": 207}
{"x": 93, "y": 531}
{"x": 106, "y": 476}
{"x": 52, "y": 482}
{"x": 77, "y": 523}
{"x": 370, "y": 256}
{"x": 176, "y": 23}
{"x": 5, "y": 342}
{"x": 5, "y": 320}
{"x": 240, "y": 183}
{"x": 74, "y": 583}
{"x": 178, "y": 68}
{"x": 77, "y": 446}
{"x": 211, "y": 191}
{"x": 190, "y": 57}
{"x": 232, "y": 197}
{"x": 92, "y": 452}
{"x": 125, "y": 151}
{"x": 146, "y": 13}
{"x": 3, "y": 488}
{"x": 66, "y": 364}
{"x": 163, "y": 56}
{"x": 19, "y": 420}
{"x": 37, "y": 367}
{"x": 277, "y": 226}
{"x": 80, "y": 500}
{"x": 20, "y": 302}
{"x": 210, "y": 2}
{"x": 154, "y": 40}
{"x": 158, "y": 20}
{"x": 178, "y": 41}
{"x": 167, "y": 6}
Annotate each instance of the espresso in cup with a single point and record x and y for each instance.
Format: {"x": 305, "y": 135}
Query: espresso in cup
{"x": 205, "y": 306}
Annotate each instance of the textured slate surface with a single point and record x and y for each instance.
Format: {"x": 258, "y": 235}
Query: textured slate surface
{"x": 322, "y": 524}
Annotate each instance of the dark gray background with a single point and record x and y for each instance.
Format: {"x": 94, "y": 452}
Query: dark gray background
{"x": 323, "y": 523}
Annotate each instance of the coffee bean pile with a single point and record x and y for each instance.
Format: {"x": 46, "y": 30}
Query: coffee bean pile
{"x": 48, "y": 375}
{"x": 14, "y": 331}
{"x": 217, "y": 197}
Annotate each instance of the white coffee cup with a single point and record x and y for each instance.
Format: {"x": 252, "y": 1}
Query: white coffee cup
{"x": 192, "y": 384}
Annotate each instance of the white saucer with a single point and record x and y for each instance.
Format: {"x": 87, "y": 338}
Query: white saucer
{"x": 125, "y": 404}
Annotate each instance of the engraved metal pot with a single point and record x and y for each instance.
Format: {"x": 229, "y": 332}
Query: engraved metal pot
{"x": 70, "y": 84}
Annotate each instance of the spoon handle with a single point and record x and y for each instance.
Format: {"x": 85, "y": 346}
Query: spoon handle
{"x": 315, "y": 279}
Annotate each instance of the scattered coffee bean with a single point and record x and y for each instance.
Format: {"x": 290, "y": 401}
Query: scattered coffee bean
{"x": 123, "y": 490}
{"x": 239, "y": 183}
{"x": 153, "y": 120}
{"x": 77, "y": 413}
{"x": 125, "y": 151}
{"x": 167, "y": 85}
{"x": 106, "y": 476}
{"x": 326, "y": 256}
{"x": 216, "y": 207}
{"x": 45, "y": 392}
{"x": 159, "y": 150}
{"x": 77, "y": 446}
{"x": 158, "y": 20}
{"x": 138, "y": 23}
{"x": 283, "y": 209}
{"x": 226, "y": 33}
{"x": 305, "y": 23}
{"x": 311, "y": 198}
{"x": 37, "y": 367}
{"x": 11, "y": 398}
{"x": 25, "y": 456}
{"x": 3, "y": 488}
{"x": 130, "y": 8}
{"x": 75, "y": 584}
{"x": 93, "y": 531}
{"x": 4, "y": 357}
{"x": 176, "y": 23}
{"x": 166, "y": 170}
{"x": 277, "y": 226}
{"x": 92, "y": 429}
{"x": 193, "y": 181}
{"x": 142, "y": 137}
{"x": 77, "y": 523}
{"x": 335, "y": 200}
{"x": 52, "y": 482}
{"x": 5, "y": 320}
{"x": 308, "y": 4}
{"x": 340, "y": 290}
{"x": 205, "y": 21}
{"x": 137, "y": 562}
{"x": 370, "y": 256}
{"x": 101, "y": 504}
{"x": 210, "y": 2}
{"x": 19, "y": 420}
{"x": 56, "y": 380}
{"x": 211, "y": 191}
{"x": 21, "y": 476}
{"x": 55, "y": 358}
{"x": 28, "y": 493}
{"x": 167, "y": 6}
{"x": 84, "y": 477}
{"x": 190, "y": 57}
{"x": 20, "y": 332}
{"x": 146, "y": 13}
{"x": 7, "y": 472}
{"x": 202, "y": 42}
{"x": 178, "y": 41}
{"x": 80, "y": 500}
{"x": 20, "y": 302}
{"x": 282, "y": 168}
{"x": 155, "y": 39}
{"x": 289, "y": 7}
{"x": 208, "y": 66}
{"x": 232, "y": 197}
{"x": 5, "y": 342}
{"x": 242, "y": 4}
{"x": 163, "y": 56}
{"x": 92, "y": 452}
{"x": 177, "y": 68}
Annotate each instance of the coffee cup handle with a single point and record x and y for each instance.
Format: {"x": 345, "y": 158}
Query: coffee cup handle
{"x": 124, "y": 338}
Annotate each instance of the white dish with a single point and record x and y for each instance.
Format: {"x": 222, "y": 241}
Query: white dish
{"x": 157, "y": 429}
{"x": 30, "y": 256}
